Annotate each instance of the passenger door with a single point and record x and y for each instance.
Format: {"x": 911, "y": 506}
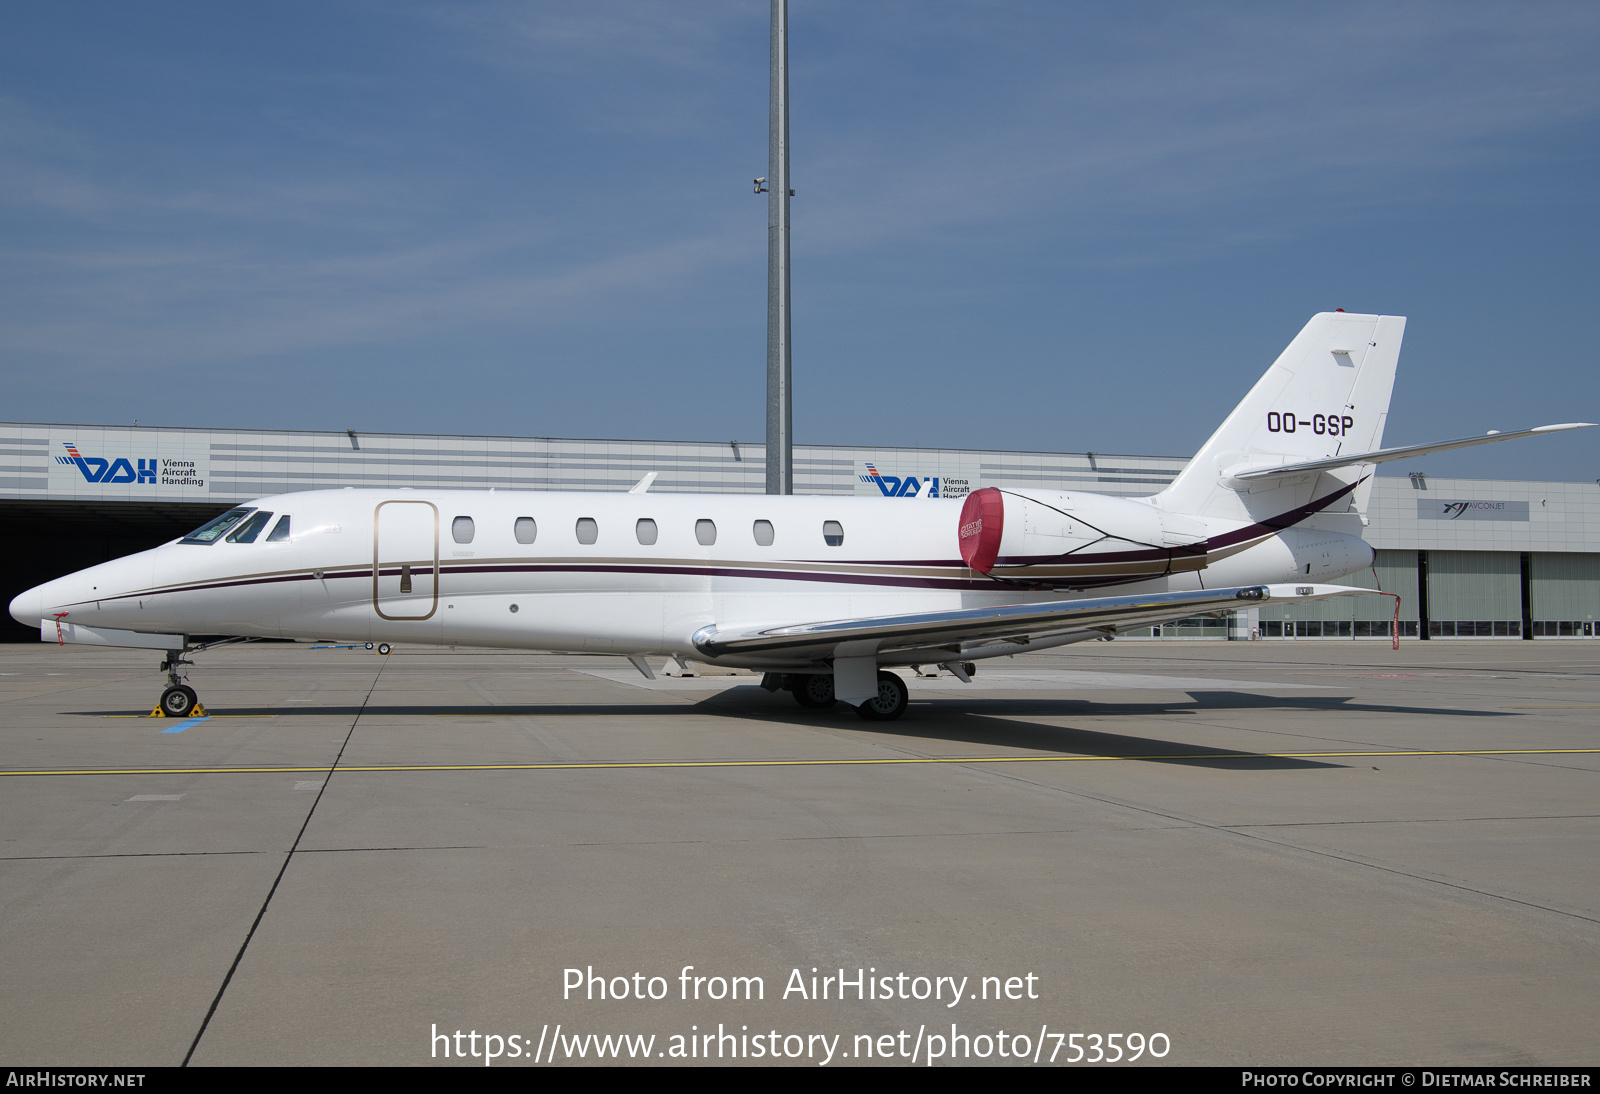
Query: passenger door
{"x": 405, "y": 560}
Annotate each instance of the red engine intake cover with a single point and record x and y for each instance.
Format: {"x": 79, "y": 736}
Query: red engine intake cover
{"x": 983, "y": 519}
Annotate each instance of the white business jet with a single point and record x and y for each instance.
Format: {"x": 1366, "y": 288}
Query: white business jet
{"x": 821, "y": 594}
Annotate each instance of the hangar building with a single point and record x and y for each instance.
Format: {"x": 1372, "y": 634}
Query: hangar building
{"x": 1469, "y": 558}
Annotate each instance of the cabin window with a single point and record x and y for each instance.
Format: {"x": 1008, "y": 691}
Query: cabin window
{"x": 280, "y": 531}
{"x": 833, "y": 533}
{"x": 588, "y": 530}
{"x": 705, "y": 532}
{"x": 763, "y": 533}
{"x": 211, "y": 531}
{"x": 527, "y": 530}
{"x": 645, "y": 530}
{"x": 461, "y": 529}
{"x": 250, "y": 528}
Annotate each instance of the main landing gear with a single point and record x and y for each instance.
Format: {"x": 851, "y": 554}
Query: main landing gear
{"x": 815, "y": 692}
{"x": 890, "y": 702}
{"x": 812, "y": 692}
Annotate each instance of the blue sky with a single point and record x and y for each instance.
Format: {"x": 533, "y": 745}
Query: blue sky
{"x": 1018, "y": 225}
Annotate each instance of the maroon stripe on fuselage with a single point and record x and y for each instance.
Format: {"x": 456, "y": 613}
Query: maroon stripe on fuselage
{"x": 1154, "y": 554}
{"x": 722, "y": 571}
{"x": 1284, "y": 520}
{"x": 1267, "y": 527}
{"x": 1227, "y": 539}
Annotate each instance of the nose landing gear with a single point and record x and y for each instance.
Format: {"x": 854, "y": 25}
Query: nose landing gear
{"x": 179, "y": 699}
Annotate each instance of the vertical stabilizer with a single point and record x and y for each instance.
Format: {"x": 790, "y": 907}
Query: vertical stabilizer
{"x": 1327, "y": 393}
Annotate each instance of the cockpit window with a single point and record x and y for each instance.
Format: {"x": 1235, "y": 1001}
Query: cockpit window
{"x": 251, "y": 528}
{"x": 280, "y": 531}
{"x": 212, "y": 530}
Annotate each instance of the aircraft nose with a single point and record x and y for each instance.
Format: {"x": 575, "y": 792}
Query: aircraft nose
{"x": 28, "y": 608}
{"x": 40, "y": 602}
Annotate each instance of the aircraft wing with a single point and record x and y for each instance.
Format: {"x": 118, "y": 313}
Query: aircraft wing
{"x": 1384, "y": 455}
{"x": 1020, "y": 623}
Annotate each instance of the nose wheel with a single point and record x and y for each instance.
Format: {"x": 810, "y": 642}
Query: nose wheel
{"x": 178, "y": 701}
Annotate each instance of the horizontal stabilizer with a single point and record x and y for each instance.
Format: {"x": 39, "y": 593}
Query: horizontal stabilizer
{"x": 1009, "y": 622}
{"x": 1252, "y": 473}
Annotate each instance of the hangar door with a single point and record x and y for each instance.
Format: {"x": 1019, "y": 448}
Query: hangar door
{"x": 405, "y": 560}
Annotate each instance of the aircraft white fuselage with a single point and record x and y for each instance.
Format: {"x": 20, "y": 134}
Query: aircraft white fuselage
{"x": 340, "y": 572}
{"x": 821, "y": 592}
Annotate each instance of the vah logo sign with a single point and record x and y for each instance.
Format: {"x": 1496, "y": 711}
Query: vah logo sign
{"x": 1472, "y": 510}
{"x": 100, "y": 469}
{"x": 893, "y": 486}
{"x": 913, "y": 485}
{"x": 137, "y": 466}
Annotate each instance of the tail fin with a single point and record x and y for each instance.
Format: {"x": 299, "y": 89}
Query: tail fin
{"x": 1327, "y": 393}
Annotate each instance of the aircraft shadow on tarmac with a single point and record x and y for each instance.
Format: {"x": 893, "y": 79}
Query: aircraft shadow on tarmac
{"x": 981, "y": 722}
{"x": 995, "y": 723}
{"x": 758, "y": 703}
{"x": 1199, "y": 702}
{"x": 986, "y": 732}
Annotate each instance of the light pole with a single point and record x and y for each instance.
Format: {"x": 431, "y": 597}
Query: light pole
{"x": 780, "y": 402}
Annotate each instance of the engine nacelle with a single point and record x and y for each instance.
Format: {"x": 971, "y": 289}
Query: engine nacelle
{"x": 1294, "y": 554}
{"x": 1072, "y": 539}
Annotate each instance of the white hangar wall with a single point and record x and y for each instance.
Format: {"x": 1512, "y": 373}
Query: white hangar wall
{"x": 1470, "y": 558}
{"x": 61, "y": 462}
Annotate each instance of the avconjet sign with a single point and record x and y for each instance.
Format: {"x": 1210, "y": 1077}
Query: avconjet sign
{"x": 1472, "y": 510}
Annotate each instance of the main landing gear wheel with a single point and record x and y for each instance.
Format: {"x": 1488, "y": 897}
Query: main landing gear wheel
{"x": 177, "y": 701}
{"x": 891, "y": 701}
{"x": 383, "y": 647}
{"x": 813, "y": 692}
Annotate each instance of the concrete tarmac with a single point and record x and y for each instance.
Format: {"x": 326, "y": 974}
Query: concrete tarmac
{"x": 1267, "y": 854}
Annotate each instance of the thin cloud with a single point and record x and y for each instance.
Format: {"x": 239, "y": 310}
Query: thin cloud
{"x": 523, "y": 172}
